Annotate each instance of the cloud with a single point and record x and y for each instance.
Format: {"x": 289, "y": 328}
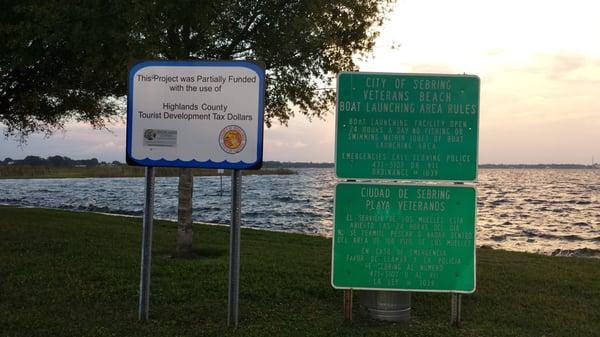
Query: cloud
{"x": 495, "y": 51}
{"x": 302, "y": 140}
{"x": 566, "y": 63}
{"x": 546, "y": 110}
{"x": 433, "y": 68}
{"x": 77, "y": 141}
{"x": 110, "y": 146}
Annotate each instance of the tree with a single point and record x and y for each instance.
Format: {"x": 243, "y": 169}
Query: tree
{"x": 63, "y": 60}
{"x": 60, "y": 60}
{"x": 69, "y": 61}
{"x": 59, "y": 161}
{"x": 34, "y": 161}
{"x": 303, "y": 43}
{"x": 183, "y": 246}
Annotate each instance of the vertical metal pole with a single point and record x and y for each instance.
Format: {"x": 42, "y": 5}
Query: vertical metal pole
{"x": 144, "y": 302}
{"x": 220, "y": 172}
{"x": 456, "y": 305}
{"x": 221, "y": 190}
{"x": 234, "y": 248}
{"x": 348, "y": 304}
{"x": 455, "y": 315}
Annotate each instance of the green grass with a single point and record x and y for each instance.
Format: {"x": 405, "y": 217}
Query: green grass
{"x": 29, "y": 172}
{"x": 77, "y": 274}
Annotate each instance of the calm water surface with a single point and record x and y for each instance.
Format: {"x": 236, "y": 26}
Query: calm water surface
{"x": 555, "y": 212}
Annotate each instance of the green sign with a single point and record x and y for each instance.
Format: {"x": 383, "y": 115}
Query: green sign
{"x": 404, "y": 237}
{"x": 407, "y": 126}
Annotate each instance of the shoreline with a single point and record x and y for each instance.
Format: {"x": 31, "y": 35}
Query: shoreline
{"x": 585, "y": 253}
{"x": 123, "y": 171}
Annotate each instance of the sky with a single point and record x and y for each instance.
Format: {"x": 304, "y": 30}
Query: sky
{"x": 539, "y": 64}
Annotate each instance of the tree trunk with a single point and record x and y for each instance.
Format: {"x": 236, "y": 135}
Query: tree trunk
{"x": 184, "y": 213}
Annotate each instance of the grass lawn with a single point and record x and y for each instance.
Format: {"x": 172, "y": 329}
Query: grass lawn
{"x": 77, "y": 274}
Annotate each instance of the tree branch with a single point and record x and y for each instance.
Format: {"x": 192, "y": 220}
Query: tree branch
{"x": 228, "y": 52}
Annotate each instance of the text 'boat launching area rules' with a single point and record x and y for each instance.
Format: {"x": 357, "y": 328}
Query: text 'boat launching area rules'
{"x": 400, "y": 235}
{"x": 407, "y": 126}
{"x": 196, "y": 114}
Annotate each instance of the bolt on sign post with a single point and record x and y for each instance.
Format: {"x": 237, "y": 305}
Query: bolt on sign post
{"x": 405, "y": 236}
{"x": 195, "y": 114}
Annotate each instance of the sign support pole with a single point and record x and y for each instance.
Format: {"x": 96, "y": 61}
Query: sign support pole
{"x": 455, "y": 314}
{"x": 348, "y": 304}
{"x": 144, "y": 301}
{"x": 234, "y": 248}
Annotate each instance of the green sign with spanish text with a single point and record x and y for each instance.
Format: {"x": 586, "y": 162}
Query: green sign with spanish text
{"x": 407, "y": 126}
{"x": 404, "y": 237}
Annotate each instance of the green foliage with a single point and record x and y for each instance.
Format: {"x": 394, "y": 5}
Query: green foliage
{"x": 64, "y": 59}
{"x": 77, "y": 274}
{"x": 54, "y": 161}
{"x": 60, "y": 60}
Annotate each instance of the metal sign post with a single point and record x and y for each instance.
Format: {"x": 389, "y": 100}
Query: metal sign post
{"x": 220, "y": 172}
{"x": 417, "y": 237}
{"x": 455, "y": 314}
{"x": 234, "y": 249}
{"x": 348, "y": 304}
{"x": 172, "y": 106}
{"x": 144, "y": 302}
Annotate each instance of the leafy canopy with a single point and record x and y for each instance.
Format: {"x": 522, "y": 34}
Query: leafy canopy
{"x": 67, "y": 60}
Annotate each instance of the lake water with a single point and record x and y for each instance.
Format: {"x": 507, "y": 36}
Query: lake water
{"x": 554, "y": 212}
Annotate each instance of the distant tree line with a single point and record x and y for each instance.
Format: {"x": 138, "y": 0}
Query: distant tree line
{"x": 56, "y": 161}
{"x": 278, "y": 164}
{"x": 536, "y": 166}
{"x": 63, "y": 161}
